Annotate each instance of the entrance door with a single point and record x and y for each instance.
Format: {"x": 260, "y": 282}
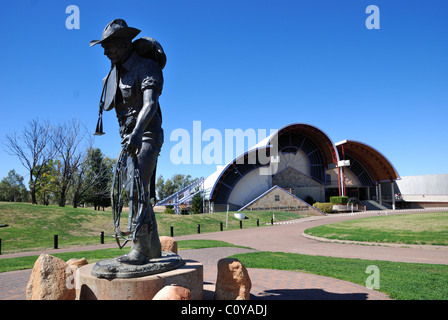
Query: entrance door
{"x": 354, "y": 193}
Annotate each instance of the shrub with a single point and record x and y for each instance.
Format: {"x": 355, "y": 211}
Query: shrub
{"x": 309, "y": 200}
{"x": 196, "y": 204}
{"x": 169, "y": 210}
{"x": 325, "y": 207}
{"x": 339, "y": 200}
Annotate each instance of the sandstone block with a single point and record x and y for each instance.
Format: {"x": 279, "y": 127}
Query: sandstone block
{"x": 168, "y": 244}
{"x": 233, "y": 281}
{"x": 173, "y": 292}
{"x": 76, "y": 263}
{"x": 51, "y": 279}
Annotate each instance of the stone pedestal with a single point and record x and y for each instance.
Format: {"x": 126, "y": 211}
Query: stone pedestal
{"x": 89, "y": 287}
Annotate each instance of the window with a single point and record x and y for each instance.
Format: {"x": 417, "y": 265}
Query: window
{"x": 277, "y": 197}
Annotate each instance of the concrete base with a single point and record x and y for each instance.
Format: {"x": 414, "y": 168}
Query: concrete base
{"x": 88, "y": 287}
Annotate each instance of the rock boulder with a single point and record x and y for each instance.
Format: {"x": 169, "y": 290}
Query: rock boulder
{"x": 233, "y": 281}
{"x": 173, "y": 292}
{"x": 168, "y": 244}
{"x": 51, "y": 279}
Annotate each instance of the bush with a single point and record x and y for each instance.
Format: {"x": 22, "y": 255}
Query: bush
{"x": 325, "y": 207}
{"x": 196, "y": 204}
{"x": 339, "y": 200}
{"x": 169, "y": 210}
{"x": 309, "y": 200}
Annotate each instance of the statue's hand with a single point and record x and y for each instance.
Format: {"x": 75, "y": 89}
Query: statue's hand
{"x": 132, "y": 143}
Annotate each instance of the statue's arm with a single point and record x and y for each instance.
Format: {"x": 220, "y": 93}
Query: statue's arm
{"x": 134, "y": 140}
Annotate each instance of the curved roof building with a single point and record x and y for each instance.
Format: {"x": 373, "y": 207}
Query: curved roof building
{"x": 302, "y": 160}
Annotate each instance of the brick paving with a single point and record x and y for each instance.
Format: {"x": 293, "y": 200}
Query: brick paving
{"x": 13, "y": 284}
{"x": 280, "y": 284}
{"x": 272, "y": 284}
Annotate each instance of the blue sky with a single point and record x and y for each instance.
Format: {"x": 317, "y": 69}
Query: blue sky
{"x": 244, "y": 64}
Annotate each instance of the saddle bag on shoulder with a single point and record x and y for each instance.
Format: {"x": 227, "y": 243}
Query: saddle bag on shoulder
{"x": 149, "y": 48}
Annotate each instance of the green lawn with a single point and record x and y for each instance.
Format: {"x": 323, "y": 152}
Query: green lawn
{"x": 32, "y": 227}
{"x": 417, "y": 228}
{"x": 401, "y": 281}
{"x": 21, "y": 263}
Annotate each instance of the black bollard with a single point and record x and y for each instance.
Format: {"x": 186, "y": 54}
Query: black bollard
{"x": 258, "y": 222}
{"x": 0, "y": 246}
{"x": 172, "y": 231}
{"x": 199, "y": 228}
{"x": 220, "y": 226}
{"x": 55, "y": 241}
{"x": 102, "y": 237}
{"x": 241, "y": 224}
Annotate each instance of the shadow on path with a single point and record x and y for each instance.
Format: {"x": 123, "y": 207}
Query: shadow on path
{"x": 306, "y": 294}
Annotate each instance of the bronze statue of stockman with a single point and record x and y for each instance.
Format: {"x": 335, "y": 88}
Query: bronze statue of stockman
{"x": 132, "y": 88}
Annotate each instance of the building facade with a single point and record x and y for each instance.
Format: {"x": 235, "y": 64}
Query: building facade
{"x": 304, "y": 161}
{"x": 300, "y": 160}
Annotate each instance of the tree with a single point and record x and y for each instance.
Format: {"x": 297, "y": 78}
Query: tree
{"x": 102, "y": 195}
{"x": 197, "y": 203}
{"x": 177, "y": 182}
{"x": 92, "y": 181}
{"x": 68, "y": 138}
{"x": 34, "y": 148}
{"x": 45, "y": 183}
{"x": 12, "y": 188}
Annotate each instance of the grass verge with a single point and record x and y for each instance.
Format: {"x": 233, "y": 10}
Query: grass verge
{"x": 32, "y": 227}
{"x": 417, "y": 228}
{"x": 401, "y": 281}
{"x": 22, "y": 263}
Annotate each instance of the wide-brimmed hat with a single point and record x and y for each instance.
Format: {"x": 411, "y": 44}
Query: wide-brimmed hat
{"x": 117, "y": 28}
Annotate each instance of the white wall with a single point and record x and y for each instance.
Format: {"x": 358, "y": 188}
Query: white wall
{"x": 423, "y": 188}
{"x": 249, "y": 187}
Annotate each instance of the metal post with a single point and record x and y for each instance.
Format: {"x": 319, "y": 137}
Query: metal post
{"x": 0, "y": 246}
{"x": 199, "y": 228}
{"x": 344, "y": 192}
{"x": 203, "y": 196}
{"x": 339, "y": 180}
{"x": 176, "y": 204}
{"x": 376, "y": 192}
{"x": 241, "y": 224}
{"x": 102, "y": 237}
{"x": 172, "y": 231}
{"x": 227, "y": 216}
{"x": 220, "y": 226}
{"x": 55, "y": 241}
{"x": 258, "y": 222}
{"x": 393, "y": 194}
{"x": 380, "y": 194}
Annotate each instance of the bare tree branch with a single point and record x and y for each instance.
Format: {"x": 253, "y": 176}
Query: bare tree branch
{"x": 68, "y": 140}
{"x": 33, "y": 149}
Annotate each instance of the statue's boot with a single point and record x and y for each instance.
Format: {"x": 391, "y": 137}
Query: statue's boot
{"x": 141, "y": 248}
{"x": 156, "y": 247}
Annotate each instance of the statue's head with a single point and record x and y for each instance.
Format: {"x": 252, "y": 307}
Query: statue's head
{"x": 117, "y": 40}
{"x": 117, "y": 50}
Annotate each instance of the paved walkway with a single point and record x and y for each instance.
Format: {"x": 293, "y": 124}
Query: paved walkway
{"x": 280, "y": 284}
{"x": 288, "y": 237}
{"x": 273, "y": 284}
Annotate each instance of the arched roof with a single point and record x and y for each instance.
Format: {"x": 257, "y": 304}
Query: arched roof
{"x": 378, "y": 166}
{"x": 318, "y": 147}
{"x": 223, "y": 181}
{"x": 292, "y": 133}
